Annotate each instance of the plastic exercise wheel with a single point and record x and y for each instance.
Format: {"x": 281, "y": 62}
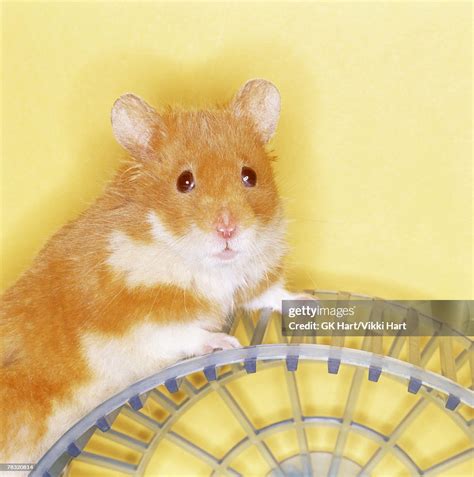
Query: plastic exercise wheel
{"x": 359, "y": 406}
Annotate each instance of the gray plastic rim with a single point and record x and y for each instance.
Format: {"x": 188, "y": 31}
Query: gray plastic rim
{"x": 309, "y": 352}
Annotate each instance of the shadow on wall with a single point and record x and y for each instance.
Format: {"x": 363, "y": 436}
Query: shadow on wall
{"x": 94, "y": 155}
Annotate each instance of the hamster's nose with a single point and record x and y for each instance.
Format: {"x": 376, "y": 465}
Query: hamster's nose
{"x": 226, "y": 226}
{"x": 226, "y": 232}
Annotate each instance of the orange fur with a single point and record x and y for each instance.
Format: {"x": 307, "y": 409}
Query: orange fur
{"x": 71, "y": 289}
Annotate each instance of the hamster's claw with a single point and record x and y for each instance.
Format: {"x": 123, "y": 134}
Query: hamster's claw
{"x": 221, "y": 341}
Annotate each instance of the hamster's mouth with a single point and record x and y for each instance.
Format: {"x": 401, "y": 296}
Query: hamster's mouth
{"x": 226, "y": 254}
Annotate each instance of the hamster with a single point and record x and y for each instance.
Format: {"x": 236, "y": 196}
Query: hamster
{"x": 189, "y": 228}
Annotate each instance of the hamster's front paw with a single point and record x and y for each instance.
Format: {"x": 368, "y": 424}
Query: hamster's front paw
{"x": 274, "y": 296}
{"x": 300, "y": 297}
{"x": 219, "y": 341}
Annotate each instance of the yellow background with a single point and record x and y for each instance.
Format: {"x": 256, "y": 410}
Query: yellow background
{"x": 374, "y": 139}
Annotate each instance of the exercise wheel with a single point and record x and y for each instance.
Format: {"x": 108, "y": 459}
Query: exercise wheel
{"x": 298, "y": 406}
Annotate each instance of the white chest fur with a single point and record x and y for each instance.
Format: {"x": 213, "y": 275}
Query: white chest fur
{"x": 146, "y": 348}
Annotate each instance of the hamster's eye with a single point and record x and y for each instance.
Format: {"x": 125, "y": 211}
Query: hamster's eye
{"x": 185, "y": 182}
{"x": 249, "y": 177}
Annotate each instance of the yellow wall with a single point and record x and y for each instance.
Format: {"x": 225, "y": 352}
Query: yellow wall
{"x": 374, "y": 139}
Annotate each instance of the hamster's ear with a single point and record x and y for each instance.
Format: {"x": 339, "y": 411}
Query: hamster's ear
{"x": 259, "y": 100}
{"x": 137, "y": 126}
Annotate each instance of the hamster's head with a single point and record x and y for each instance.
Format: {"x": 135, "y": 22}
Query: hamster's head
{"x": 204, "y": 179}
